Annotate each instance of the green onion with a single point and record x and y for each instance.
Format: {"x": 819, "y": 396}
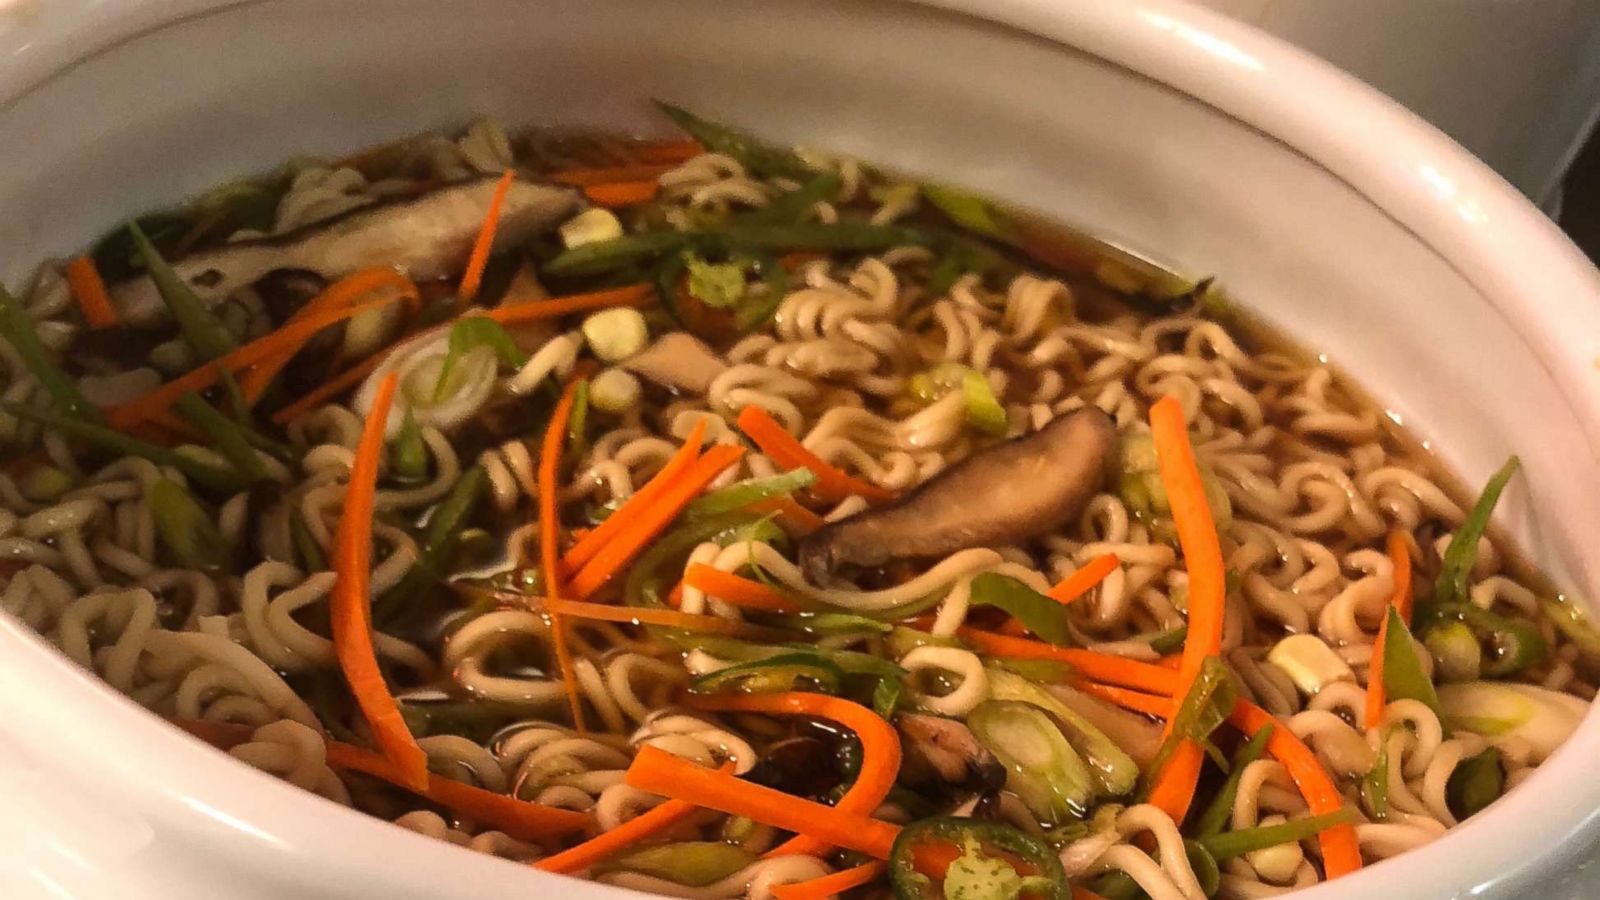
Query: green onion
{"x": 1455, "y": 651}
{"x": 1042, "y": 615}
{"x": 110, "y": 440}
{"x": 44, "y": 484}
{"x": 1216, "y": 815}
{"x": 746, "y": 493}
{"x": 760, "y": 158}
{"x": 1044, "y": 671}
{"x": 1230, "y": 844}
{"x": 793, "y": 206}
{"x": 903, "y": 640}
{"x": 410, "y": 452}
{"x": 305, "y": 544}
{"x": 828, "y": 623}
{"x": 18, "y": 331}
{"x": 1115, "y": 773}
{"x": 469, "y": 334}
{"x": 1204, "y": 708}
{"x": 646, "y": 581}
{"x": 605, "y": 256}
{"x": 439, "y": 537}
{"x": 1041, "y": 767}
{"x": 185, "y": 528}
{"x": 784, "y": 672}
{"x": 226, "y": 437}
{"x": 1170, "y": 641}
{"x": 1477, "y": 782}
{"x": 578, "y": 421}
{"x": 970, "y": 211}
{"x": 1517, "y": 645}
{"x": 1462, "y": 554}
{"x": 1575, "y": 625}
{"x": 203, "y": 332}
{"x": 693, "y": 864}
{"x": 886, "y": 696}
{"x": 1403, "y": 675}
{"x": 1376, "y": 783}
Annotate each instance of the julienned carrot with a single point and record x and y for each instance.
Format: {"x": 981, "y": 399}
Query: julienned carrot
{"x": 1082, "y": 581}
{"x": 785, "y": 449}
{"x": 880, "y": 749}
{"x": 1097, "y": 666}
{"x": 617, "y": 194}
{"x": 1197, "y": 534}
{"x": 533, "y": 310}
{"x": 1083, "y": 893}
{"x": 350, "y": 602}
{"x": 612, "y": 174}
{"x": 549, "y": 534}
{"x": 90, "y": 289}
{"x": 478, "y": 260}
{"x": 669, "y": 151}
{"x": 829, "y": 885}
{"x": 1400, "y": 560}
{"x": 1341, "y": 854}
{"x": 667, "y": 618}
{"x": 331, "y": 388}
{"x": 1138, "y": 701}
{"x": 741, "y": 592}
{"x": 585, "y": 549}
{"x": 1172, "y": 791}
{"x": 639, "y": 529}
{"x": 791, "y": 514}
{"x": 642, "y": 827}
{"x": 659, "y": 772}
{"x": 518, "y": 818}
{"x": 259, "y": 350}
{"x": 341, "y": 293}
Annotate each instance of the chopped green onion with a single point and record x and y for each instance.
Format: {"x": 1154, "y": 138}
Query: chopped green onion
{"x": 1216, "y": 815}
{"x": 469, "y": 334}
{"x": 886, "y": 696}
{"x": 903, "y": 640}
{"x": 745, "y": 493}
{"x": 410, "y": 453}
{"x": 1462, "y": 554}
{"x": 750, "y": 152}
{"x": 605, "y": 256}
{"x": 970, "y": 211}
{"x": 1042, "y": 615}
{"x": 1456, "y": 653}
{"x": 1115, "y": 773}
{"x": 203, "y": 332}
{"x": 829, "y": 623}
{"x": 693, "y": 864}
{"x": 784, "y": 672}
{"x": 1403, "y": 675}
{"x": 1204, "y": 708}
{"x": 305, "y": 544}
{"x": 1170, "y": 641}
{"x": 44, "y": 484}
{"x": 18, "y": 331}
{"x": 646, "y": 582}
{"x": 1499, "y": 710}
{"x": 1042, "y": 768}
{"x": 793, "y": 206}
{"x": 110, "y": 440}
{"x": 1230, "y": 844}
{"x": 1376, "y": 783}
{"x": 1575, "y": 625}
{"x": 1517, "y": 645}
{"x": 227, "y": 438}
{"x": 1476, "y": 782}
{"x": 185, "y": 528}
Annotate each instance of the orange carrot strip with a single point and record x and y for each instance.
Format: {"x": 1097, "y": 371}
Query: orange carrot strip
{"x": 880, "y": 749}
{"x": 90, "y": 289}
{"x": 790, "y": 513}
{"x": 659, "y": 772}
{"x": 555, "y": 307}
{"x": 1083, "y": 581}
{"x": 622, "y": 193}
{"x": 341, "y": 293}
{"x": 638, "y": 530}
{"x": 579, "y": 554}
{"x": 669, "y": 618}
{"x": 1341, "y": 854}
{"x": 674, "y": 151}
{"x": 1098, "y": 666}
{"x": 1083, "y": 893}
{"x": 829, "y": 885}
{"x": 549, "y": 532}
{"x": 1138, "y": 701}
{"x": 259, "y": 350}
{"x": 741, "y": 592}
{"x": 784, "y": 449}
{"x": 1400, "y": 558}
{"x": 518, "y": 818}
{"x": 331, "y": 388}
{"x": 478, "y": 260}
{"x": 642, "y": 827}
{"x": 350, "y": 602}
{"x": 612, "y": 174}
{"x": 1172, "y": 792}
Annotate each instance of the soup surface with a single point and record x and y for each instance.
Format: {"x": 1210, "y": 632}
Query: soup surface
{"x": 718, "y": 519}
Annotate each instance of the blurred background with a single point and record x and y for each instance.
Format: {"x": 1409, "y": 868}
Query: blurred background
{"x": 1515, "y": 81}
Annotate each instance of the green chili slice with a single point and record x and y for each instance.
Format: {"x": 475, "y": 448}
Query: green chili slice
{"x": 989, "y": 861}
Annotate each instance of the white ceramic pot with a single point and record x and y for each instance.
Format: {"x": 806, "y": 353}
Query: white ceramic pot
{"x": 1319, "y": 203}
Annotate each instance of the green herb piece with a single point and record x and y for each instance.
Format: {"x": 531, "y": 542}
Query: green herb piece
{"x": 185, "y": 528}
{"x": 1042, "y": 615}
{"x": 202, "y": 331}
{"x": 759, "y": 157}
{"x": 1217, "y": 814}
{"x": 227, "y": 437}
{"x": 1462, "y": 554}
{"x": 17, "y": 329}
{"x": 114, "y": 442}
{"x": 1041, "y": 767}
{"x": 1477, "y": 782}
{"x": 469, "y": 334}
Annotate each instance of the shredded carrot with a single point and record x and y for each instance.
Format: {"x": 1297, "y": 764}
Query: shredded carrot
{"x": 741, "y": 592}
{"x": 90, "y": 289}
{"x": 829, "y": 885}
{"x": 1138, "y": 701}
{"x": 1400, "y": 560}
{"x": 659, "y": 772}
{"x": 1083, "y": 893}
{"x": 549, "y": 534}
{"x": 673, "y": 151}
{"x": 518, "y": 818}
{"x": 784, "y": 449}
{"x": 622, "y": 193}
{"x": 338, "y": 295}
{"x": 266, "y": 347}
{"x": 478, "y": 260}
{"x": 350, "y": 602}
{"x": 641, "y": 527}
{"x": 880, "y": 749}
{"x": 791, "y": 514}
{"x": 642, "y": 827}
{"x": 1098, "y": 666}
{"x": 580, "y": 553}
{"x": 612, "y": 174}
{"x": 555, "y": 307}
{"x": 668, "y": 618}
{"x": 1341, "y": 854}
{"x": 331, "y": 388}
{"x": 1084, "y": 580}
{"x": 1172, "y": 791}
